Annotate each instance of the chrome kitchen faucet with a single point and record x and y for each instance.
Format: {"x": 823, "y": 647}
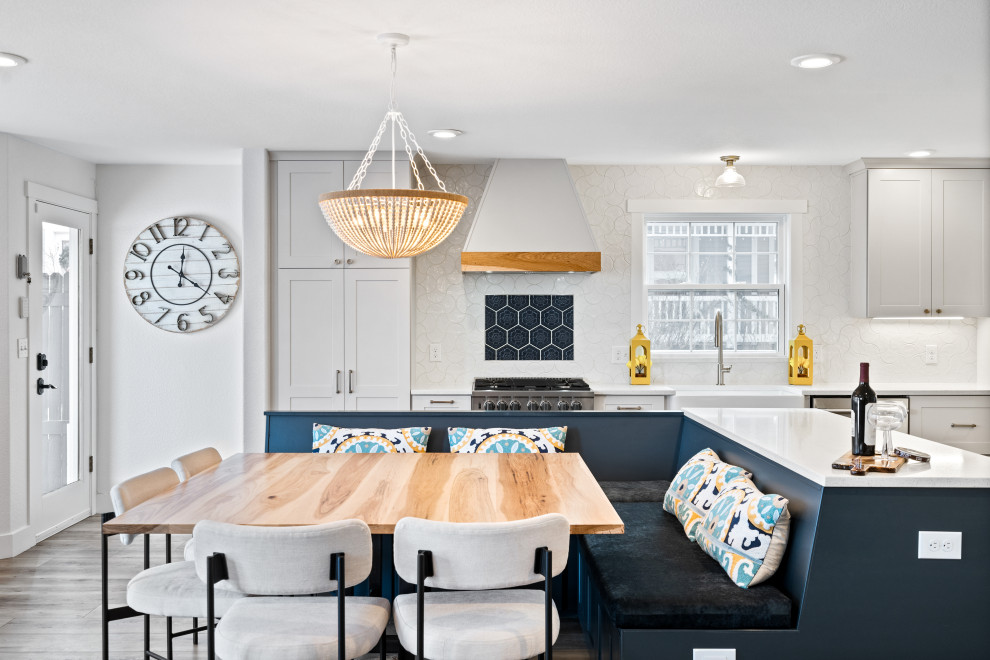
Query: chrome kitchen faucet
{"x": 722, "y": 370}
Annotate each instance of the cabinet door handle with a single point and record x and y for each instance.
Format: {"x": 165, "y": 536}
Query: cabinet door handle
{"x": 451, "y": 401}
{"x": 350, "y": 381}
{"x": 337, "y": 381}
{"x": 336, "y": 261}
{"x": 629, "y": 407}
{"x": 962, "y": 426}
{"x": 928, "y": 311}
{"x": 938, "y": 311}
{"x": 350, "y": 261}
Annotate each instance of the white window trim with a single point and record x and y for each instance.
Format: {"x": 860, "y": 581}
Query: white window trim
{"x": 793, "y": 209}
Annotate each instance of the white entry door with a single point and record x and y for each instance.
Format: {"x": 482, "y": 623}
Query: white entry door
{"x": 60, "y": 374}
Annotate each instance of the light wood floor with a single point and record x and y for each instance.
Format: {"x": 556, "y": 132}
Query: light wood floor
{"x": 50, "y": 602}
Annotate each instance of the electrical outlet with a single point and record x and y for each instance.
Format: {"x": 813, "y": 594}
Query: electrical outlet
{"x": 22, "y": 347}
{"x": 620, "y": 354}
{"x": 939, "y": 545}
{"x": 931, "y": 354}
{"x": 714, "y": 654}
{"x": 434, "y": 352}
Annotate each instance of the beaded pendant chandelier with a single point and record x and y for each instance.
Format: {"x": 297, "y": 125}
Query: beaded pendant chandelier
{"x": 393, "y": 223}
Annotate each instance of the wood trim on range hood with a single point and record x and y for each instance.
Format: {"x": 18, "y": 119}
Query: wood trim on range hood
{"x": 531, "y": 262}
{"x": 531, "y": 220}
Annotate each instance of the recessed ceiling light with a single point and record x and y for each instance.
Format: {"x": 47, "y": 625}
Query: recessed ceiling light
{"x": 9, "y": 60}
{"x": 815, "y": 61}
{"x": 445, "y": 133}
{"x": 921, "y": 153}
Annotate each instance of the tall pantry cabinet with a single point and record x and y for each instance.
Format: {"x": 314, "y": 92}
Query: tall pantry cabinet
{"x": 343, "y": 325}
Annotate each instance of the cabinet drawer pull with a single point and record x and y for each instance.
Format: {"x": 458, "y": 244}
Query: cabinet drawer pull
{"x": 962, "y": 426}
{"x": 338, "y": 381}
{"x": 350, "y": 381}
{"x": 450, "y": 401}
{"x": 629, "y": 407}
{"x": 336, "y": 261}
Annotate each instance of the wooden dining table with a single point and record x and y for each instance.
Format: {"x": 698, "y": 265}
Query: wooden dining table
{"x": 283, "y": 489}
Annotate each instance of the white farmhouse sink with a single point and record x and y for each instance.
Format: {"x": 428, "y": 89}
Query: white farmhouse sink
{"x": 736, "y": 396}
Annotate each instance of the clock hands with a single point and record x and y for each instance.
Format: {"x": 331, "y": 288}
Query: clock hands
{"x": 182, "y": 263}
{"x": 183, "y": 277}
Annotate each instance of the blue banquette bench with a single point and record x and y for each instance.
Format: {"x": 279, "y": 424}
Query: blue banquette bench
{"x": 650, "y": 593}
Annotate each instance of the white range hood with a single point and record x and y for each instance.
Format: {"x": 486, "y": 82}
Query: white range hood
{"x": 530, "y": 220}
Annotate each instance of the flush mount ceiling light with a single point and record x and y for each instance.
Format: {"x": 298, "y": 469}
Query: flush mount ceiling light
{"x": 393, "y": 223}
{"x": 815, "y": 61}
{"x": 445, "y": 133}
{"x": 921, "y": 153}
{"x": 11, "y": 60}
{"x": 730, "y": 178}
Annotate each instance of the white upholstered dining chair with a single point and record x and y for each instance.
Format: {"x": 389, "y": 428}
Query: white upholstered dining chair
{"x": 480, "y": 616}
{"x": 189, "y": 465}
{"x": 272, "y": 563}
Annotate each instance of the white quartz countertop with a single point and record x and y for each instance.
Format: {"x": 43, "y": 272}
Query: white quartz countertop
{"x": 626, "y": 388}
{"x": 890, "y": 389}
{"x": 828, "y": 389}
{"x": 447, "y": 390}
{"x": 807, "y": 441}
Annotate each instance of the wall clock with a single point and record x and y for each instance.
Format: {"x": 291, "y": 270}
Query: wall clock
{"x": 181, "y": 274}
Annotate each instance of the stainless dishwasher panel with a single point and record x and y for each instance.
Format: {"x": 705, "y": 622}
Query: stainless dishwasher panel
{"x": 842, "y": 405}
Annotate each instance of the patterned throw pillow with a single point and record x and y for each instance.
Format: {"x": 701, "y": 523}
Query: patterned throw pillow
{"x": 746, "y": 532}
{"x": 697, "y": 484}
{"x": 336, "y": 440}
{"x": 507, "y": 441}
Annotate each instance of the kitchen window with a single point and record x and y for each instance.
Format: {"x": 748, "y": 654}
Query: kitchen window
{"x": 696, "y": 264}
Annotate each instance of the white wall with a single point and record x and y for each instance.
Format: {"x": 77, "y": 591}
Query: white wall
{"x": 22, "y": 161}
{"x": 449, "y": 305}
{"x": 163, "y": 394}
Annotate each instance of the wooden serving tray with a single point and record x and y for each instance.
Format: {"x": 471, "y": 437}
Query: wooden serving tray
{"x": 860, "y": 465}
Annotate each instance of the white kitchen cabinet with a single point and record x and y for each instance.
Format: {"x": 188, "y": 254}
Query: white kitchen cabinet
{"x": 441, "y": 402}
{"x": 343, "y": 338}
{"x": 960, "y": 421}
{"x": 920, "y": 242}
{"x": 629, "y": 402}
{"x": 304, "y": 238}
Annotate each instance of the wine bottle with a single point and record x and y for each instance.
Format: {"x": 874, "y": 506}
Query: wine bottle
{"x": 864, "y": 436}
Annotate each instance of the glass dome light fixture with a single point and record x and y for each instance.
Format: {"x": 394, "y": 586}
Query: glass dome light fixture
{"x": 730, "y": 178}
{"x": 11, "y": 60}
{"x": 393, "y": 223}
{"x": 816, "y": 60}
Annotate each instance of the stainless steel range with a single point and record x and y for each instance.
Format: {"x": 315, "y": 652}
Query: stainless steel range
{"x": 532, "y": 394}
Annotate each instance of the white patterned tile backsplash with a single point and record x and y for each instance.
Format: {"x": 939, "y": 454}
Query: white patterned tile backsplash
{"x": 450, "y": 305}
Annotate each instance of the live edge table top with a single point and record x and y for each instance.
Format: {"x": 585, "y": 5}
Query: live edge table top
{"x": 381, "y": 489}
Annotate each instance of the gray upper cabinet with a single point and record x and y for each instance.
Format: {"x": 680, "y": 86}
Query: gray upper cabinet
{"x": 303, "y": 236}
{"x": 920, "y": 242}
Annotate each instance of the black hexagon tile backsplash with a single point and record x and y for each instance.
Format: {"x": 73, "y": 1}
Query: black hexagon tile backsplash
{"x": 529, "y": 327}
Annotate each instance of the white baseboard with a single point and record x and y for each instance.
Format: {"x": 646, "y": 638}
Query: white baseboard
{"x": 15, "y": 542}
{"x": 51, "y": 531}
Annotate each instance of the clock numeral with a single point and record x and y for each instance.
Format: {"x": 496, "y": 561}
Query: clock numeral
{"x": 134, "y": 275}
{"x": 166, "y": 310}
{"x": 217, "y": 253}
{"x": 141, "y": 250}
{"x": 157, "y": 232}
{"x": 224, "y": 298}
{"x": 204, "y": 313}
{"x": 182, "y": 323}
{"x": 225, "y": 274}
{"x": 205, "y": 229}
{"x": 141, "y": 299}
{"x": 179, "y": 222}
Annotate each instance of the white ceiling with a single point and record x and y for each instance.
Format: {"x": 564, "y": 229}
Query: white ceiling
{"x": 593, "y": 81}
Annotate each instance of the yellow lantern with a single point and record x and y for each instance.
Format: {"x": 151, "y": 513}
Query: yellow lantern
{"x": 800, "y": 359}
{"x": 639, "y": 358}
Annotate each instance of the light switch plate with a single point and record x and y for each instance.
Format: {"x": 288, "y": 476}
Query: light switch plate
{"x": 22, "y": 347}
{"x": 620, "y": 354}
{"x": 714, "y": 654}
{"x": 434, "y": 352}
{"x": 939, "y": 545}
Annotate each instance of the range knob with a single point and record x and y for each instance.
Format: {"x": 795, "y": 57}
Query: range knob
{"x": 514, "y": 405}
{"x": 488, "y": 404}
{"x": 501, "y": 405}
{"x": 533, "y": 405}
{"x": 562, "y": 405}
{"x": 576, "y": 405}
{"x": 545, "y": 405}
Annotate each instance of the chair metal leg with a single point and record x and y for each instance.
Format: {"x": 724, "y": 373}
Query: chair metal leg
{"x": 216, "y": 570}
{"x": 195, "y": 631}
{"x": 337, "y": 573}
{"x": 424, "y": 569}
{"x": 381, "y": 647}
{"x": 105, "y": 585}
{"x": 543, "y": 567}
{"x": 147, "y": 618}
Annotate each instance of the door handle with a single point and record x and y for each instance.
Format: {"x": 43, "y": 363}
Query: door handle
{"x": 350, "y": 381}
{"x": 42, "y": 386}
{"x": 624, "y": 407}
{"x": 42, "y": 361}
{"x": 962, "y": 426}
{"x": 338, "y": 381}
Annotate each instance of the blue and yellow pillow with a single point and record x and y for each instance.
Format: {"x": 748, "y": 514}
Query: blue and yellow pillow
{"x": 507, "y": 441}
{"x": 746, "y": 532}
{"x": 336, "y": 440}
{"x": 697, "y": 485}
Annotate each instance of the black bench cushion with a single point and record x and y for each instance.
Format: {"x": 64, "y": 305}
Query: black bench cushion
{"x": 634, "y": 491}
{"x": 654, "y": 577}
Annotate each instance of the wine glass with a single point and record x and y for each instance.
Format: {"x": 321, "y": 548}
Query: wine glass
{"x": 886, "y": 416}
